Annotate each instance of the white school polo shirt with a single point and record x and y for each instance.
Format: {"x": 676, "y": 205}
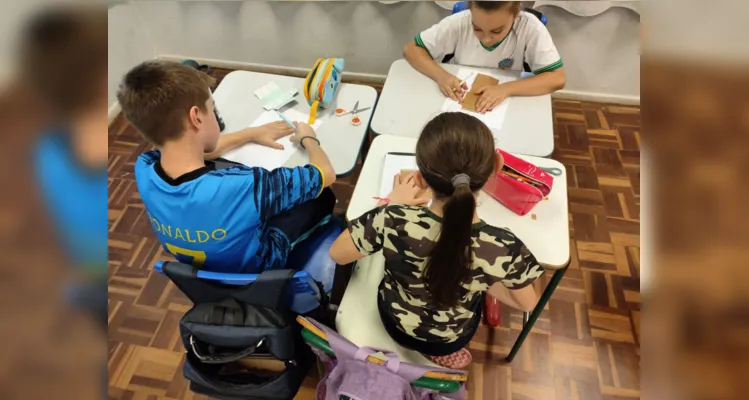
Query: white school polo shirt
{"x": 528, "y": 41}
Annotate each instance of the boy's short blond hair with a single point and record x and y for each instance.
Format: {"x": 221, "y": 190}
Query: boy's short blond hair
{"x": 156, "y": 97}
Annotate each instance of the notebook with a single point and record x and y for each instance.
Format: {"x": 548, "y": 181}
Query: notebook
{"x": 394, "y": 164}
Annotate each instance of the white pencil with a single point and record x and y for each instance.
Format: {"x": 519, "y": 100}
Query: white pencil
{"x": 463, "y": 82}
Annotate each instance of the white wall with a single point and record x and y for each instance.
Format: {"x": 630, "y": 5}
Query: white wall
{"x": 129, "y": 44}
{"x": 369, "y": 35}
{"x": 601, "y": 53}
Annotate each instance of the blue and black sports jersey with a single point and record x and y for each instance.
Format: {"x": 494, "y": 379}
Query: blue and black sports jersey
{"x": 217, "y": 218}
{"x": 76, "y": 197}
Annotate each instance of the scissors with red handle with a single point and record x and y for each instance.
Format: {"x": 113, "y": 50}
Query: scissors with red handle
{"x": 339, "y": 112}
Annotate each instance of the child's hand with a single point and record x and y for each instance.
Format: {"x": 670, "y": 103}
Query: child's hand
{"x": 450, "y": 87}
{"x": 405, "y": 191}
{"x": 302, "y": 130}
{"x": 491, "y": 96}
{"x": 267, "y": 134}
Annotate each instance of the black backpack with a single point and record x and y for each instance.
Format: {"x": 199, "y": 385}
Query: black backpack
{"x": 241, "y": 342}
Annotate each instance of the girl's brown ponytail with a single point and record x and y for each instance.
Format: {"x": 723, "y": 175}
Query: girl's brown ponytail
{"x": 452, "y": 253}
{"x": 455, "y": 155}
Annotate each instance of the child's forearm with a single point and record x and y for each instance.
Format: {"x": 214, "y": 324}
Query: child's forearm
{"x": 538, "y": 85}
{"x": 318, "y": 157}
{"x": 230, "y": 141}
{"x": 422, "y": 62}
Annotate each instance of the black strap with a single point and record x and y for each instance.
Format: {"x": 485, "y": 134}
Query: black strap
{"x": 228, "y": 312}
{"x": 222, "y": 358}
{"x": 269, "y": 287}
{"x": 266, "y": 291}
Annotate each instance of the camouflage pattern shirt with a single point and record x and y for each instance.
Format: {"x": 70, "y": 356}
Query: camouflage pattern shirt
{"x": 406, "y": 236}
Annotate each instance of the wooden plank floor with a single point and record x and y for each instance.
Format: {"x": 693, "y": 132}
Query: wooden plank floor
{"x": 584, "y": 346}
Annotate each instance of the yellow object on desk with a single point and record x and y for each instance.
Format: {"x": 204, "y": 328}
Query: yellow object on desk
{"x": 313, "y": 113}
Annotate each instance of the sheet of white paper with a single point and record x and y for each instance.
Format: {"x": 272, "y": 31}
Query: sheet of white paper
{"x": 255, "y": 155}
{"x": 495, "y": 118}
{"x": 394, "y": 163}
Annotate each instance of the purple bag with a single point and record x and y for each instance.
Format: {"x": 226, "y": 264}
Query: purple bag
{"x": 350, "y": 375}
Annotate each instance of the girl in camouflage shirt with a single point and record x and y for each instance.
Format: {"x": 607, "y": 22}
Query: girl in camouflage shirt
{"x": 441, "y": 259}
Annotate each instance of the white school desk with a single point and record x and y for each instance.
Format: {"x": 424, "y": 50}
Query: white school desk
{"x": 547, "y": 237}
{"x": 239, "y": 107}
{"x": 409, "y": 100}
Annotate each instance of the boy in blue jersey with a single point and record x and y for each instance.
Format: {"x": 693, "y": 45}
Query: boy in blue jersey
{"x": 213, "y": 213}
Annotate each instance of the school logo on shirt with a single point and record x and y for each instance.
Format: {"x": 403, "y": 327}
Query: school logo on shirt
{"x": 506, "y": 63}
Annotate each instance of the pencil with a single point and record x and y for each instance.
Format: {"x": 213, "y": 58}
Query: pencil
{"x": 464, "y": 81}
{"x": 283, "y": 117}
{"x": 520, "y": 177}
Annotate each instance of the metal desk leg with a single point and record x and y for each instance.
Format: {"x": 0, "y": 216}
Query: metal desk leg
{"x": 528, "y": 325}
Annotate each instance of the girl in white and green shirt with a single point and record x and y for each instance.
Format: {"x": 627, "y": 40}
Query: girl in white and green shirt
{"x": 491, "y": 34}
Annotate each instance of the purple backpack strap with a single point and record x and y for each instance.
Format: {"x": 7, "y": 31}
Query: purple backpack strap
{"x": 344, "y": 349}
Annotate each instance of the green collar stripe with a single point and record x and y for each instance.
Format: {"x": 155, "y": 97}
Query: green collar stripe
{"x": 421, "y": 44}
{"x": 495, "y": 45}
{"x": 550, "y": 67}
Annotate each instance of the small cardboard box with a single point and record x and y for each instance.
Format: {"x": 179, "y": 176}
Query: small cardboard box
{"x": 470, "y": 98}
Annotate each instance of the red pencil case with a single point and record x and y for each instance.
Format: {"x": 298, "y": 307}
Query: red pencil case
{"x": 519, "y": 185}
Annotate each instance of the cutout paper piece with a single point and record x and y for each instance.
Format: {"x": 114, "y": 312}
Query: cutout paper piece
{"x": 273, "y": 97}
{"x": 470, "y": 98}
{"x": 403, "y": 174}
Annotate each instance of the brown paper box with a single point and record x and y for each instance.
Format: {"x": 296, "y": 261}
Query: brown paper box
{"x": 404, "y": 173}
{"x": 262, "y": 364}
{"x": 482, "y": 81}
{"x": 470, "y": 98}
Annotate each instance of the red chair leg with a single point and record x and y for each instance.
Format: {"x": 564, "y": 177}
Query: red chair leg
{"x": 493, "y": 311}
